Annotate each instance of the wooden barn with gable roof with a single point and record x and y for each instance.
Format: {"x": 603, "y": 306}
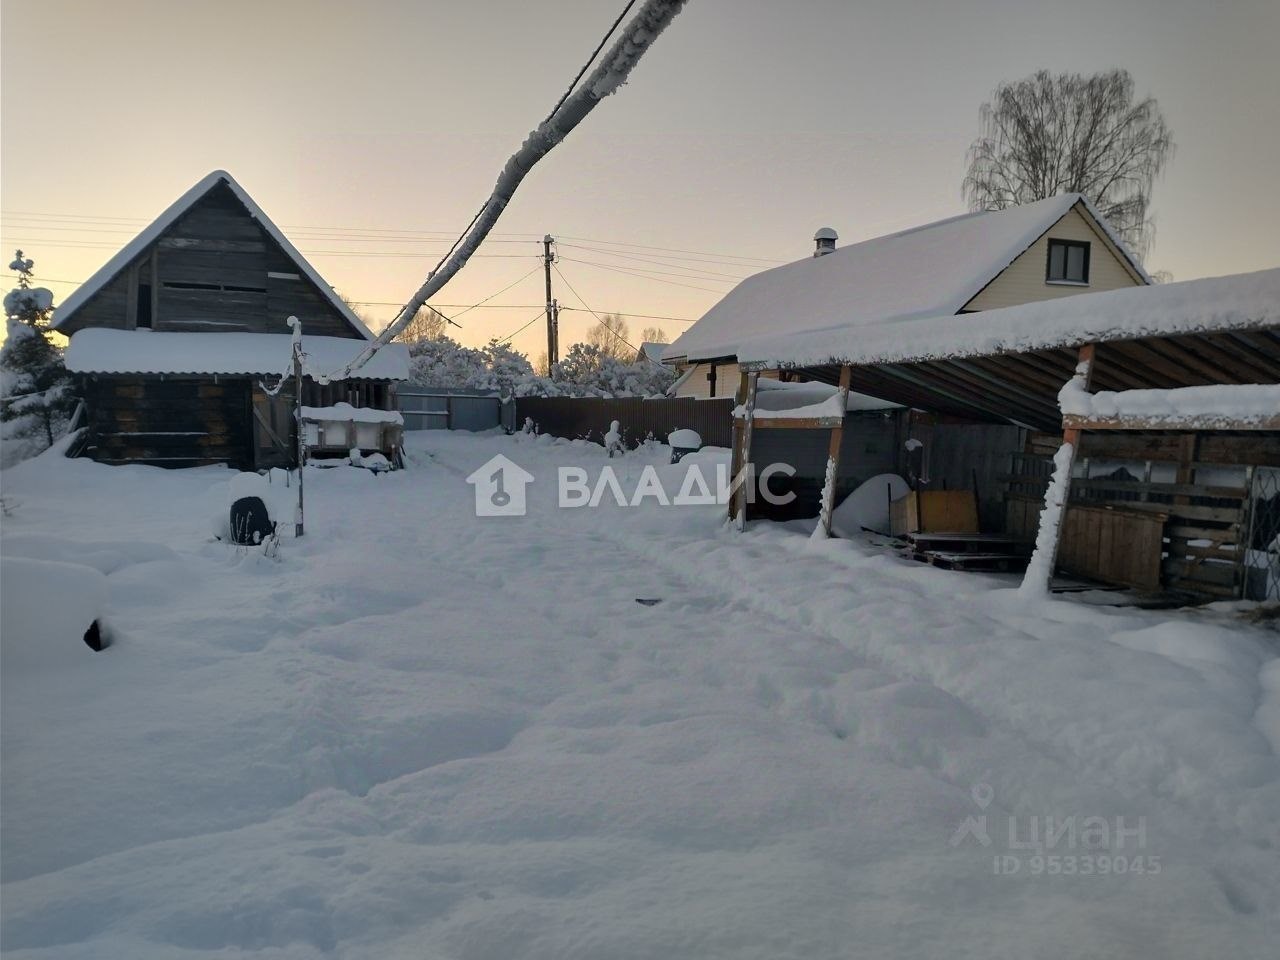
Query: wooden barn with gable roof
{"x": 173, "y": 339}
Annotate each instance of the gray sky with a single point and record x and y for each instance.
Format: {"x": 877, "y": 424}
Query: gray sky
{"x": 748, "y": 125}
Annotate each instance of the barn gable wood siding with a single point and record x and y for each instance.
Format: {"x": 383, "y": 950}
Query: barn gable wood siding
{"x": 214, "y": 269}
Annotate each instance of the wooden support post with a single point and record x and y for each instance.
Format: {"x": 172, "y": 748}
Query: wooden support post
{"x": 296, "y": 325}
{"x": 1057, "y": 513}
{"x": 833, "y": 455}
{"x": 736, "y": 458}
{"x": 749, "y": 384}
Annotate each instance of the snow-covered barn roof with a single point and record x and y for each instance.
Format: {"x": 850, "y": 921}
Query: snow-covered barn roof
{"x": 101, "y": 350}
{"x": 922, "y": 272}
{"x": 1009, "y": 364}
{"x": 152, "y": 233}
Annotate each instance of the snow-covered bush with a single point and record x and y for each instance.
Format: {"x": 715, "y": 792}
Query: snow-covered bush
{"x": 586, "y": 371}
{"x": 443, "y": 362}
{"x": 35, "y": 390}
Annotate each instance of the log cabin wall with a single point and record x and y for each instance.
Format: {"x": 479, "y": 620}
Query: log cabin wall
{"x": 175, "y": 421}
{"x": 170, "y": 421}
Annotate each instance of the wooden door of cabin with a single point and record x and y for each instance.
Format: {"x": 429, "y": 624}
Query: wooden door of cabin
{"x": 274, "y": 436}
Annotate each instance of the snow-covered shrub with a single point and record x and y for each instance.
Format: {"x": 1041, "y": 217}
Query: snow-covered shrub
{"x": 34, "y": 385}
{"x": 443, "y": 362}
{"x": 586, "y": 371}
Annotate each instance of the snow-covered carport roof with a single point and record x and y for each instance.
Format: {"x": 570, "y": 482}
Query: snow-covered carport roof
{"x": 1010, "y": 364}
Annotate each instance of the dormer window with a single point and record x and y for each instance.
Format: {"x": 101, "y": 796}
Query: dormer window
{"x": 1068, "y": 262}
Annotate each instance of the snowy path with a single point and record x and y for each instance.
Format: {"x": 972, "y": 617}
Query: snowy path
{"x": 424, "y": 734}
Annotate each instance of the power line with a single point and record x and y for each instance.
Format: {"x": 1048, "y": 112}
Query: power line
{"x": 630, "y": 273}
{"x": 90, "y": 218}
{"x": 568, "y": 92}
{"x": 536, "y": 317}
{"x": 669, "y": 259}
{"x": 587, "y": 66}
{"x": 639, "y": 316}
{"x": 727, "y": 256}
{"x": 406, "y": 234}
{"x": 451, "y": 306}
{"x": 664, "y": 273}
{"x": 98, "y": 245}
{"x": 604, "y": 80}
{"x": 500, "y": 292}
{"x": 11, "y": 228}
{"x": 659, "y": 263}
{"x": 616, "y": 334}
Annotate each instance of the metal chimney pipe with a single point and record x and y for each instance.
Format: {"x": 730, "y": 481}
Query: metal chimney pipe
{"x": 824, "y": 241}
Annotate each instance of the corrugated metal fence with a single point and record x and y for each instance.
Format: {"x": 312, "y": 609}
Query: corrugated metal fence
{"x": 589, "y": 417}
{"x": 431, "y": 408}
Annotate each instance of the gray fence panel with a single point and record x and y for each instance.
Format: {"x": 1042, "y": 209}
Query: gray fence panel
{"x": 589, "y": 417}
{"x": 445, "y": 409}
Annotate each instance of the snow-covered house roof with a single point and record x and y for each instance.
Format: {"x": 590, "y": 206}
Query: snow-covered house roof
{"x": 1009, "y": 364}
{"x": 926, "y": 271}
{"x": 1240, "y": 301}
{"x": 152, "y": 233}
{"x": 105, "y": 351}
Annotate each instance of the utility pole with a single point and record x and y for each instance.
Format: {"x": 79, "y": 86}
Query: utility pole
{"x": 553, "y": 309}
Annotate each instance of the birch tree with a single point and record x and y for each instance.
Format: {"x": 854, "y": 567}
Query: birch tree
{"x": 1049, "y": 134}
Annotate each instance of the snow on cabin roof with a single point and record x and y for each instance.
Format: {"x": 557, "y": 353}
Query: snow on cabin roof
{"x": 101, "y": 350}
{"x": 922, "y": 272}
{"x": 134, "y": 247}
{"x": 1240, "y": 301}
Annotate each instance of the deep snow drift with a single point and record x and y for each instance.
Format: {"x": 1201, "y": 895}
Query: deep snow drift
{"x": 419, "y": 733}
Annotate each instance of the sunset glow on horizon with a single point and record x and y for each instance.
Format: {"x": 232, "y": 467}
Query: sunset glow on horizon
{"x": 371, "y": 134}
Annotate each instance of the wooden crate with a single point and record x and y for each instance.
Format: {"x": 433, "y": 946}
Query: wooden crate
{"x": 934, "y": 511}
{"x": 1114, "y": 545}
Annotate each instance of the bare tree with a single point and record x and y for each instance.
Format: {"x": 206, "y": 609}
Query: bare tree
{"x": 354, "y": 305}
{"x": 427, "y": 324}
{"x": 653, "y": 335}
{"x": 1067, "y": 133}
{"x": 610, "y": 336}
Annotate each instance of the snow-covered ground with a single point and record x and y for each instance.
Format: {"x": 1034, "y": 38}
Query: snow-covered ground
{"x": 418, "y": 733}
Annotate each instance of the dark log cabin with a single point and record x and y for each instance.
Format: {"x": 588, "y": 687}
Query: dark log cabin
{"x": 173, "y": 340}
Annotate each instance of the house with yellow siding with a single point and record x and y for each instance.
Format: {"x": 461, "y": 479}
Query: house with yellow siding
{"x": 1053, "y": 248}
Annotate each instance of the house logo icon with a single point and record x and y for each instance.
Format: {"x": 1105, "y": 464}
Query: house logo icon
{"x": 499, "y": 486}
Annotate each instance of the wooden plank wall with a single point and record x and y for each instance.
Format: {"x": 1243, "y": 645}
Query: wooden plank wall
{"x": 958, "y": 456}
{"x": 108, "y": 308}
{"x": 174, "y": 422}
{"x": 217, "y": 243}
{"x": 1203, "y": 512}
{"x": 209, "y": 272}
{"x": 1113, "y": 545}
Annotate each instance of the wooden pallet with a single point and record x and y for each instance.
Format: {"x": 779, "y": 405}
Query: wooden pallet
{"x": 985, "y": 562}
{"x": 968, "y": 543}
